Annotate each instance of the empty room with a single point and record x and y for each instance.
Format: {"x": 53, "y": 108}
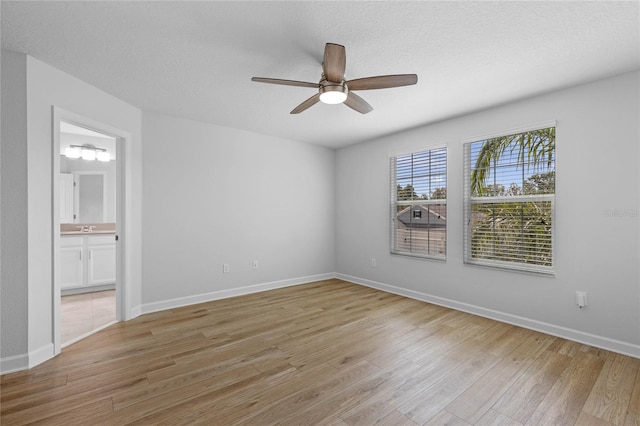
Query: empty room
{"x": 320, "y": 213}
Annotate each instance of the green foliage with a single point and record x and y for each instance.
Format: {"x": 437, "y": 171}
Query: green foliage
{"x": 439, "y": 193}
{"x": 512, "y": 232}
{"x": 494, "y": 190}
{"x": 541, "y": 183}
{"x": 407, "y": 193}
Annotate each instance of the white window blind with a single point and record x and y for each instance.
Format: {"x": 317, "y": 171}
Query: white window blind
{"x": 419, "y": 204}
{"x": 509, "y": 201}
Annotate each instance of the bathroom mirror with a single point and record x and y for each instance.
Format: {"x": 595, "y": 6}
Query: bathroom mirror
{"x": 87, "y": 191}
{"x": 90, "y": 197}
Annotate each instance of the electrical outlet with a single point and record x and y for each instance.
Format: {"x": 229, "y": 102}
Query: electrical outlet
{"x": 225, "y": 268}
{"x": 373, "y": 262}
{"x": 581, "y": 299}
{"x": 254, "y": 264}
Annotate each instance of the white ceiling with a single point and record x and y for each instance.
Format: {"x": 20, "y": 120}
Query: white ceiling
{"x": 75, "y": 130}
{"x": 195, "y": 59}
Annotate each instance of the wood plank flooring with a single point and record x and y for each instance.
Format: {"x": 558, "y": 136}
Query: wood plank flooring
{"x": 324, "y": 353}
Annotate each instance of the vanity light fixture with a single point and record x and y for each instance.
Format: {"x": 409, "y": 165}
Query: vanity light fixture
{"x": 87, "y": 152}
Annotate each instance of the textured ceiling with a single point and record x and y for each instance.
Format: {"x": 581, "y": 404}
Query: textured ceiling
{"x": 195, "y": 59}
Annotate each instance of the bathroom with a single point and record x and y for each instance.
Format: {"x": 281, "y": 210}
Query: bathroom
{"x": 87, "y": 192}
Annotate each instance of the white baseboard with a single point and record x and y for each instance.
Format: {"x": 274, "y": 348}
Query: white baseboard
{"x": 20, "y": 362}
{"x": 613, "y": 345}
{"x": 87, "y": 289}
{"x": 225, "y": 294}
{"x": 11, "y": 364}
{"x": 135, "y": 312}
{"x": 41, "y": 354}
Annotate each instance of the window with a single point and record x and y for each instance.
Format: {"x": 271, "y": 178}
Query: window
{"x": 509, "y": 201}
{"x": 419, "y": 204}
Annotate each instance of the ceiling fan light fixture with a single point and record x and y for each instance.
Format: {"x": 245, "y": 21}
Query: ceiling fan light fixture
{"x": 334, "y": 89}
{"x": 333, "y": 93}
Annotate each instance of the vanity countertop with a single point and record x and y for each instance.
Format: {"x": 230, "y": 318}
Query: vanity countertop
{"x": 87, "y": 233}
{"x": 87, "y": 228}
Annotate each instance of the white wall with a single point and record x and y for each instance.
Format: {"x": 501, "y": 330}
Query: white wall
{"x": 13, "y": 201}
{"x": 47, "y": 87}
{"x": 214, "y": 195}
{"x": 597, "y": 169}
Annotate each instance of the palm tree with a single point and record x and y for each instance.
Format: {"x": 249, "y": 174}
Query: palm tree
{"x": 536, "y": 147}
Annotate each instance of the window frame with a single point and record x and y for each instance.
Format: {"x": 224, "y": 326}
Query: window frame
{"x": 394, "y": 203}
{"x": 469, "y": 202}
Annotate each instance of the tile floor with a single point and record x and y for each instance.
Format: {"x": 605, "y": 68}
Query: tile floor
{"x": 82, "y": 313}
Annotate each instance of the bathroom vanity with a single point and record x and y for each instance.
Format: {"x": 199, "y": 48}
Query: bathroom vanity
{"x": 87, "y": 259}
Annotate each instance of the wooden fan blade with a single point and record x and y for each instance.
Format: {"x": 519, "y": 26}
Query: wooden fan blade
{"x": 285, "y": 82}
{"x": 382, "y": 82}
{"x": 334, "y": 63}
{"x": 356, "y": 103}
{"x": 306, "y": 104}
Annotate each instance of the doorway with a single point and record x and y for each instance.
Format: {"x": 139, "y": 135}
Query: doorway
{"x": 88, "y": 186}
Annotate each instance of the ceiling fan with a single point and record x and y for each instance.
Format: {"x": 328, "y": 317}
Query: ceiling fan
{"x": 333, "y": 89}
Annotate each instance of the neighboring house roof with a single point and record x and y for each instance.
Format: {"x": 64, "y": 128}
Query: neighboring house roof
{"x": 424, "y": 216}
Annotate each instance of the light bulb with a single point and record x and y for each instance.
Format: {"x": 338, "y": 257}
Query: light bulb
{"x": 332, "y": 93}
{"x": 72, "y": 152}
{"x": 88, "y": 154}
{"x": 103, "y": 156}
{"x": 333, "y": 97}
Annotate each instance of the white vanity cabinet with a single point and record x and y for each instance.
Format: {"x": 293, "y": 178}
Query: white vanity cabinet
{"x": 101, "y": 261}
{"x": 72, "y": 261}
{"x": 87, "y": 261}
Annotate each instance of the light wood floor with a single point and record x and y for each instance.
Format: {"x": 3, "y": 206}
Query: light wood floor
{"x": 326, "y": 353}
